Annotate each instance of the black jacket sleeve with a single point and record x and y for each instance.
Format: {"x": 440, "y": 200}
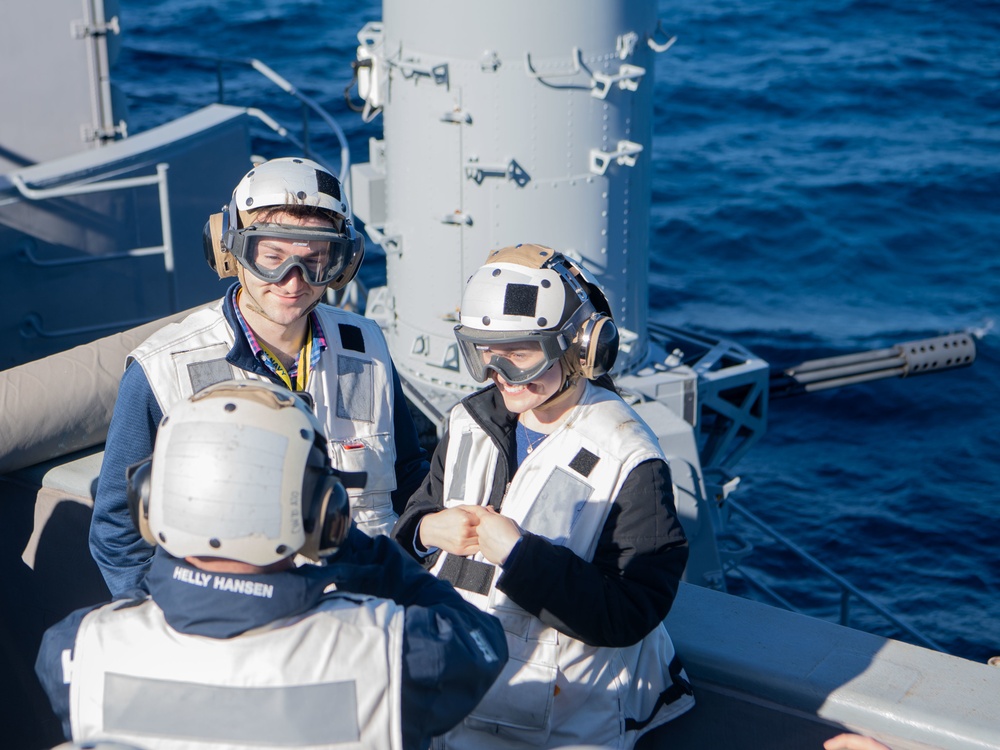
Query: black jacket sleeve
{"x": 411, "y": 458}
{"x": 630, "y": 585}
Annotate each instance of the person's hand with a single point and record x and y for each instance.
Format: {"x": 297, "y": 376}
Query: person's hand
{"x": 853, "y": 742}
{"x": 452, "y": 529}
{"x": 497, "y": 534}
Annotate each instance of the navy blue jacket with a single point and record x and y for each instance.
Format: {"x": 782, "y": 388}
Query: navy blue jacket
{"x": 120, "y": 552}
{"x": 446, "y": 670}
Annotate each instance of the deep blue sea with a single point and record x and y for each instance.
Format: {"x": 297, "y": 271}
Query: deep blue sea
{"x": 826, "y": 179}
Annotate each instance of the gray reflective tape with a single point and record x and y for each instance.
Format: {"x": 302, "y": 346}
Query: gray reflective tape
{"x": 355, "y": 389}
{"x": 461, "y": 470}
{"x": 558, "y": 506}
{"x": 280, "y": 716}
{"x": 204, "y": 374}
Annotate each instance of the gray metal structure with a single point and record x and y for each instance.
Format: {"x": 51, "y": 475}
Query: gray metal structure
{"x": 503, "y": 123}
{"x": 523, "y": 122}
{"x": 498, "y": 133}
{"x": 81, "y": 42}
{"x": 88, "y": 216}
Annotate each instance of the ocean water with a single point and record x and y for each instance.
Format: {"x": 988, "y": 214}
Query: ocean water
{"x": 826, "y": 180}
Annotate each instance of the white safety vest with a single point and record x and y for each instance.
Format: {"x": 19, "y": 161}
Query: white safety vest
{"x": 562, "y": 491}
{"x": 351, "y": 387}
{"x": 328, "y": 679}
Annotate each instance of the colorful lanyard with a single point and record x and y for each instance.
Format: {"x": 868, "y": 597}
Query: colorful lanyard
{"x": 302, "y": 372}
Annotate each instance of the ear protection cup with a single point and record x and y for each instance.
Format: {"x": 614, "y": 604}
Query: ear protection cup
{"x": 325, "y": 505}
{"x": 137, "y": 483}
{"x": 599, "y": 340}
{"x": 336, "y": 518}
{"x": 327, "y": 518}
{"x": 218, "y": 257}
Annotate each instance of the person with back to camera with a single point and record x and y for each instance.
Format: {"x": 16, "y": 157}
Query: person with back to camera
{"x": 236, "y": 647}
{"x": 287, "y": 236}
{"x": 549, "y": 504}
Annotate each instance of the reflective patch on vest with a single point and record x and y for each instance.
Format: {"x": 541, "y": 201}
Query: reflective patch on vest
{"x": 461, "y": 472}
{"x": 355, "y": 389}
{"x": 351, "y": 338}
{"x": 469, "y": 575}
{"x": 204, "y": 374}
{"x": 584, "y": 462}
{"x": 293, "y": 716}
{"x": 557, "y": 507}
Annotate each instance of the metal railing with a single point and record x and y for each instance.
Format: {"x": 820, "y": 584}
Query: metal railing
{"x": 166, "y": 249}
{"x": 32, "y": 324}
{"x": 847, "y": 589}
{"x": 307, "y": 104}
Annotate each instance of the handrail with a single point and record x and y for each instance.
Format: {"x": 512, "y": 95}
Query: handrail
{"x": 159, "y": 180}
{"x": 275, "y": 78}
{"x": 847, "y": 589}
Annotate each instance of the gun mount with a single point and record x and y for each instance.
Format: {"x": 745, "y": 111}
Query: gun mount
{"x": 902, "y": 360}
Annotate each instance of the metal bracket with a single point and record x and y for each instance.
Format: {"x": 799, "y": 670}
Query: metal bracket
{"x": 489, "y": 62}
{"x": 82, "y": 29}
{"x": 660, "y": 46}
{"x": 627, "y": 78}
{"x": 439, "y": 72}
{"x": 625, "y": 45}
{"x": 457, "y": 218}
{"x": 89, "y": 133}
{"x": 458, "y": 116}
{"x": 624, "y": 155}
{"x": 392, "y": 244}
{"x": 512, "y": 171}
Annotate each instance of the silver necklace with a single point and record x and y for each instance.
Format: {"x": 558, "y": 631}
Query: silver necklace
{"x": 527, "y": 437}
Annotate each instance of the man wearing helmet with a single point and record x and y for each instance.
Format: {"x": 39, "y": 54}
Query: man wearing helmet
{"x": 550, "y": 505}
{"x": 287, "y": 236}
{"x": 236, "y": 647}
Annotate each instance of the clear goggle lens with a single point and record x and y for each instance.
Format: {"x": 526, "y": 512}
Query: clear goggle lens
{"x": 517, "y": 360}
{"x": 271, "y": 251}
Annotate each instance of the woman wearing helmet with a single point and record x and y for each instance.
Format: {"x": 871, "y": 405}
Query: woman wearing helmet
{"x": 287, "y": 236}
{"x": 550, "y": 505}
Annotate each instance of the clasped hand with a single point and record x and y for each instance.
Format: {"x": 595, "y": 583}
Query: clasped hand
{"x": 467, "y": 529}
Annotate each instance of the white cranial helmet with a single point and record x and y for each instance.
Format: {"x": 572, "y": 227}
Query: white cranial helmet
{"x": 240, "y": 471}
{"x": 291, "y": 180}
{"x": 529, "y": 307}
{"x": 294, "y": 185}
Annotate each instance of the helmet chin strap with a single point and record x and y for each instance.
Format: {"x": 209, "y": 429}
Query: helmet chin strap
{"x": 570, "y": 379}
{"x": 255, "y": 306}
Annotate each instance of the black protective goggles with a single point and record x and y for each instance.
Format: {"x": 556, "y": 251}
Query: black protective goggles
{"x": 271, "y": 251}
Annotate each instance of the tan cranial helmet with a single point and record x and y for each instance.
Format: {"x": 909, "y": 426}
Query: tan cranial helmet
{"x": 240, "y": 471}
{"x": 536, "y": 298}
